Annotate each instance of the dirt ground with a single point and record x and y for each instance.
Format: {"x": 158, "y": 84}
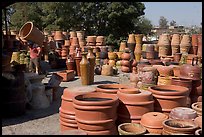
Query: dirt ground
{"x": 46, "y": 121}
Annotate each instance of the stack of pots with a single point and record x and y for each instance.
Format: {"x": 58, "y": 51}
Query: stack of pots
{"x": 153, "y": 122}
{"x": 131, "y": 45}
{"x": 100, "y": 41}
{"x": 165, "y": 75}
{"x": 103, "y": 55}
{"x": 185, "y": 44}
{"x": 194, "y": 43}
{"x": 74, "y": 45}
{"x": 91, "y": 40}
{"x": 150, "y": 53}
{"x": 66, "y": 110}
{"x": 64, "y": 52}
{"x": 59, "y": 37}
{"x": 81, "y": 38}
{"x": 138, "y": 47}
{"x": 123, "y": 45}
{"x": 133, "y": 103}
{"x": 168, "y": 97}
{"x": 126, "y": 64}
{"x": 164, "y": 45}
{"x": 112, "y": 56}
{"x": 96, "y": 113}
{"x": 175, "y": 42}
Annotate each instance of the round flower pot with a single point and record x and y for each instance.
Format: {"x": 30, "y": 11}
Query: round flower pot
{"x": 152, "y": 121}
{"x": 133, "y": 104}
{"x": 171, "y": 126}
{"x": 110, "y": 88}
{"x": 165, "y": 71}
{"x": 183, "y": 113}
{"x": 126, "y": 55}
{"x": 96, "y": 111}
{"x": 125, "y": 63}
{"x": 168, "y": 97}
{"x": 131, "y": 129}
{"x": 197, "y": 106}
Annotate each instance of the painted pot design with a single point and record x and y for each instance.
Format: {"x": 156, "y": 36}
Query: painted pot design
{"x": 183, "y": 113}
{"x": 197, "y": 106}
{"x": 96, "y": 111}
{"x": 131, "y": 129}
{"x": 168, "y": 97}
{"x": 172, "y": 126}
{"x": 133, "y": 104}
{"x": 152, "y": 121}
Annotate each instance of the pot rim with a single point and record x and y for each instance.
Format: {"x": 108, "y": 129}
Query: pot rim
{"x": 103, "y": 88}
{"x": 132, "y": 124}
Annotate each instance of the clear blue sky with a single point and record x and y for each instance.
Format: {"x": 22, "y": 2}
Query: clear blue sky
{"x": 184, "y": 13}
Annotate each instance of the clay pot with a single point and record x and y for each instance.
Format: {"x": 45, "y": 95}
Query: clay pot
{"x": 198, "y": 121}
{"x": 155, "y": 62}
{"x": 186, "y": 40}
{"x": 183, "y": 113}
{"x": 172, "y": 126}
{"x": 163, "y": 40}
{"x": 176, "y": 71}
{"x": 70, "y": 63}
{"x": 190, "y": 58}
{"x": 192, "y": 72}
{"x": 182, "y": 82}
{"x": 72, "y": 34}
{"x": 90, "y": 106}
{"x": 75, "y": 42}
{"x": 126, "y": 55}
{"x": 150, "y": 55}
{"x": 152, "y": 121}
{"x": 196, "y": 87}
{"x": 119, "y": 55}
{"x": 59, "y": 35}
{"x": 149, "y": 47}
{"x": 78, "y": 59}
{"x": 110, "y": 88}
{"x": 125, "y": 63}
{"x": 198, "y": 132}
{"x": 123, "y": 45}
{"x": 164, "y": 50}
{"x": 91, "y": 40}
{"x": 112, "y": 63}
{"x": 197, "y": 106}
{"x": 147, "y": 75}
{"x": 137, "y": 56}
{"x": 112, "y": 55}
{"x": 138, "y": 38}
{"x": 134, "y": 78}
{"x": 165, "y": 71}
{"x": 85, "y": 70}
{"x": 131, "y": 46}
{"x": 168, "y": 97}
{"x": 125, "y": 69}
{"x": 194, "y": 40}
{"x": 138, "y": 48}
{"x": 131, "y": 129}
{"x": 100, "y": 41}
{"x": 91, "y": 58}
{"x": 175, "y": 49}
{"x": 104, "y": 53}
{"x": 131, "y": 38}
{"x": 107, "y": 70}
{"x": 177, "y": 57}
{"x": 175, "y": 39}
{"x": 133, "y": 104}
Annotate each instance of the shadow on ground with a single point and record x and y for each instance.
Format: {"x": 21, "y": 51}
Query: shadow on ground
{"x": 104, "y": 82}
{"x": 32, "y": 114}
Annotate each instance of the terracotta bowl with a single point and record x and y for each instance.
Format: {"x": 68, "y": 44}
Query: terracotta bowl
{"x": 131, "y": 129}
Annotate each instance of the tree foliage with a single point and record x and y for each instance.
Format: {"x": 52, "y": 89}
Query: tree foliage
{"x": 163, "y": 23}
{"x": 173, "y": 23}
{"x": 111, "y": 19}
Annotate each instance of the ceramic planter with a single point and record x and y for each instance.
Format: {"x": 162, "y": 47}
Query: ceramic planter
{"x": 133, "y": 104}
{"x": 96, "y": 111}
{"x": 198, "y": 121}
{"x": 147, "y": 75}
{"x": 126, "y": 55}
{"x": 125, "y": 63}
{"x": 197, "y": 106}
{"x": 175, "y": 49}
{"x": 123, "y": 45}
{"x": 168, "y": 97}
{"x": 172, "y": 126}
{"x": 131, "y": 129}
{"x": 183, "y": 113}
{"x": 152, "y": 121}
{"x": 165, "y": 71}
{"x": 112, "y": 55}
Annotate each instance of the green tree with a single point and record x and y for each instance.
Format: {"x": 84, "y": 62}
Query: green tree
{"x": 173, "y": 23}
{"x": 144, "y": 26}
{"x": 163, "y": 22}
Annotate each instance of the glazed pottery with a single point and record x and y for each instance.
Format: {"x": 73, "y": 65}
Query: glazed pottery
{"x": 85, "y": 70}
{"x": 197, "y": 106}
{"x": 131, "y": 129}
{"x": 91, "y": 58}
{"x": 152, "y": 121}
{"x": 165, "y": 71}
{"x": 168, "y": 97}
{"x": 198, "y": 121}
{"x": 107, "y": 70}
{"x": 96, "y": 111}
{"x": 183, "y": 113}
{"x": 172, "y": 126}
{"x": 133, "y": 104}
{"x": 110, "y": 88}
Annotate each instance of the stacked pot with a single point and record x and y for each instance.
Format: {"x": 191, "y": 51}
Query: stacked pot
{"x": 66, "y": 111}
{"x": 96, "y": 113}
{"x": 165, "y": 75}
{"x": 112, "y": 58}
{"x": 126, "y": 61}
{"x": 91, "y": 40}
{"x": 185, "y": 44}
{"x": 175, "y": 44}
{"x": 100, "y": 41}
{"x": 138, "y": 47}
{"x": 131, "y": 43}
{"x": 59, "y": 38}
{"x": 123, "y": 45}
{"x": 150, "y": 52}
{"x": 168, "y": 97}
{"x": 133, "y": 104}
{"x": 199, "y": 53}
{"x": 81, "y": 38}
{"x": 164, "y": 45}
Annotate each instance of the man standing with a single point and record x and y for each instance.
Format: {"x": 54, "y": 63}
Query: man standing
{"x": 35, "y": 57}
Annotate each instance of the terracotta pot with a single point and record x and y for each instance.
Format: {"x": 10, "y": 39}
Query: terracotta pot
{"x": 75, "y": 41}
{"x": 123, "y": 45}
{"x": 90, "y": 106}
{"x": 168, "y": 97}
{"x": 72, "y": 34}
{"x": 67, "y": 75}
{"x": 149, "y": 47}
{"x": 171, "y": 126}
{"x": 196, "y": 87}
{"x": 184, "y": 49}
{"x": 91, "y": 40}
{"x": 134, "y": 78}
{"x": 155, "y": 62}
{"x": 197, "y": 106}
{"x": 194, "y": 40}
{"x": 195, "y": 50}
{"x": 112, "y": 55}
{"x": 198, "y": 132}
{"x": 176, "y": 71}
{"x": 138, "y": 48}
{"x": 147, "y": 75}
{"x": 164, "y": 50}
{"x": 190, "y": 59}
{"x": 183, "y": 113}
{"x": 70, "y": 63}
{"x": 125, "y": 63}
{"x": 125, "y": 69}
{"x": 67, "y": 126}
{"x": 100, "y": 41}
{"x": 110, "y": 88}
{"x": 29, "y": 32}
{"x": 175, "y": 49}
{"x": 133, "y": 104}
{"x": 112, "y": 63}
{"x": 177, "y": 57}
{"x": 152, "y": 121}
{"x": 190, "y": 71}
{"x": 175, "y": 39}
{"x": 164, "y": 39}
{"x": 131, "y": 46}
{"x": 186, "y": 40}
{"x": 59, "y": 35}
{"x": 126, "y": 55}
{"x": 138, "y": 38}
{"x": 131, "y": 38}
{"x": 85, "y": 70}
{"x": 131, "y": 129}
{"x": 119, "y": 55}
{"x": 138, "y": 56}
{"x": 150, "y": 55}
{"x": 107, "y": 70}
{"x": 165, "y": 71}
{"x": 198, "y": 121}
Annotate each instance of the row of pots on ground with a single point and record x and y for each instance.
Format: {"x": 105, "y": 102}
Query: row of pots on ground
{"x": 96, "y": 113}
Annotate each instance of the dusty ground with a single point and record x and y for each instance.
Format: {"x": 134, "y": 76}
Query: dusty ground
{"x": 46, "y": 121}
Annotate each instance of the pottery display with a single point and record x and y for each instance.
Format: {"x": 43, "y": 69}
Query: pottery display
{"x": 96, "y": 111}
{"x": 131, "y": 129}
{"x": 152, "y": 121}
{"x": 85, "y": 70}
{"x": 183, "y": 113}
{"x": 197, "y": 106}
{"x": 172, "y": 126}
{"x": 168, "y": 97}
{"x": 133, "y": 104}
